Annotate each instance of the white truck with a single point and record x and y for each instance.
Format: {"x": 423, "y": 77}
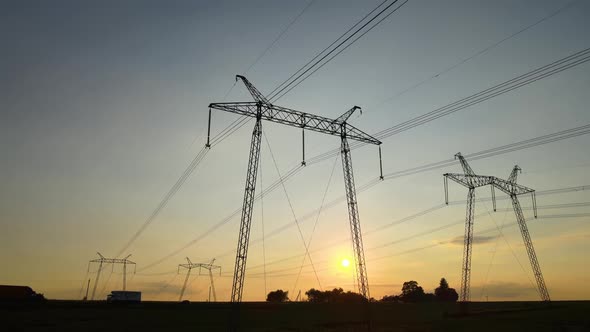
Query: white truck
{"x": 124, "y": 296}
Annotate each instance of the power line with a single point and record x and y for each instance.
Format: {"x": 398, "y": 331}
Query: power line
{"x": 279, "y": 36}
{"x": 500, "y": 231}
{"x": 486, "y": 278}
{"x": 439, "y": 228}
{"x": 261, "y": 55}
{"x": 216, "y": 140}
{"x": 532, "y": 76}
{"x": 481, "y": 232}
{"x": 579, "y": 57}
{"x": 290, "y": 86}
{"x": 316, "y": 221}
{"x": 524, "y": 144}
{"x": 227, "y": 131}
{"x": 220, "y": 137}
{"x": 293, "y": 211}
{"x": 544, "y": 139}
{"x": 325, "y": 49}
{"x": 577, "y": 215}
{"x": 421, "y": 213}
{"x": 223, "y": 221}
{"x": 482, "y": 51}
{"x": 525, "y": 79}
{"x": 550, "y": 69}
{"x": 177, "y": 185}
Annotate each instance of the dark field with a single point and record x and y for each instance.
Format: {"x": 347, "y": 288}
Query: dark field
{"x": 168, "y": 316}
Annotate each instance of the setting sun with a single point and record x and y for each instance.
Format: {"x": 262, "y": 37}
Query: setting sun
{"x": 345, "y": 263}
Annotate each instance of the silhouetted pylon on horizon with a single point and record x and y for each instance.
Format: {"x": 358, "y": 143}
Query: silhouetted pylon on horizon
{"x": 470, "y": 180}
{"x": 262, "y": 109}
{"x": 103, "y": 260}
{"x": 207, "y": 266}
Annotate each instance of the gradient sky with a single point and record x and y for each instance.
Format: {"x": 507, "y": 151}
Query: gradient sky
{"x": 104, "y": 104}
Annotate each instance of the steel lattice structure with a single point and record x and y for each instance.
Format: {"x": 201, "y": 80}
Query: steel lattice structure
{"x": 262, "y": 109}
{"x": 470, "y": 180}
{"x": 511, "y": 188}
{"x": 102, "y": 260}
{"x": 353, "y": 217}
{"x": 207, "y": 266}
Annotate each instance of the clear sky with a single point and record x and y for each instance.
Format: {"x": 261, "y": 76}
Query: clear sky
{"x": 104, "y": 104}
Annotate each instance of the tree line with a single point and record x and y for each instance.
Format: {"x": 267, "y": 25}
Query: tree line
{"x": 411, "y": 292}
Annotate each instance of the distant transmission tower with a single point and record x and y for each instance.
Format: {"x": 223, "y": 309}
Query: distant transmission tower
{"x": 207, "y": 266}
{"x": 102, "y": 260}
{"x": 262, "y": 109}
{"x": 510, "y": 187}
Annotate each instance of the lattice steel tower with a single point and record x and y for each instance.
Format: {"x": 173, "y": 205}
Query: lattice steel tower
{"x": 102, "y": 260}
{"x": 262, "y": 109}
{"x": 470, "y": 180}
{"x": 510, "y": 187}
{"x": 207, "y": 266}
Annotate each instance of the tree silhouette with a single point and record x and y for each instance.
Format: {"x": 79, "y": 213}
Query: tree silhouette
{"x": 411, "y": 287}
{"x": 337, "y": 295}
{"x": 314, "y": 295}
{"x": 411, "y": 292}
{"x": 445, "y": 294}
{"x": 278, "y": 296}
{"x": 391, "y": 298}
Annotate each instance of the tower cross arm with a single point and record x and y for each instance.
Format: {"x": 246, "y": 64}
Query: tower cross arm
{"x": 471, "y": 181}
{"x": 112, "y": 261}
{"x": 511, "y": 188}
{"x": 347, "y": 114}
{"x": 210, "y": 268}
{"x": 297, "y": 119}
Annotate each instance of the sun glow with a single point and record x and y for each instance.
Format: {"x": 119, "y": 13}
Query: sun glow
{"x": 345, "y": 263}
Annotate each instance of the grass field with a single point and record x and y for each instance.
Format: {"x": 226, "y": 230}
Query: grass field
{"x": 300, "y": 316}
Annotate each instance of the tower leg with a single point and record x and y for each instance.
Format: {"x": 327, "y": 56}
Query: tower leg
{"x": 184, "y": 285}
{"x": 212, "y": 288}
{"x": 467, "y": 245}
{"x": 355, "y": 226}
{"x": 125, "y": 275}
{"x": 96, "y": 280}
{"x": 87, "y": 287}
{"x": 244, "y": 238}
{"x": 526, "y": 237}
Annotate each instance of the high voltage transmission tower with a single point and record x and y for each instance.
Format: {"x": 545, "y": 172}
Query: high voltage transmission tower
{"x": 262, "y": 109}
{"x": 207, "y": 266}
{"x": 102, "y": 260}
{"x": 470, "y": 180}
